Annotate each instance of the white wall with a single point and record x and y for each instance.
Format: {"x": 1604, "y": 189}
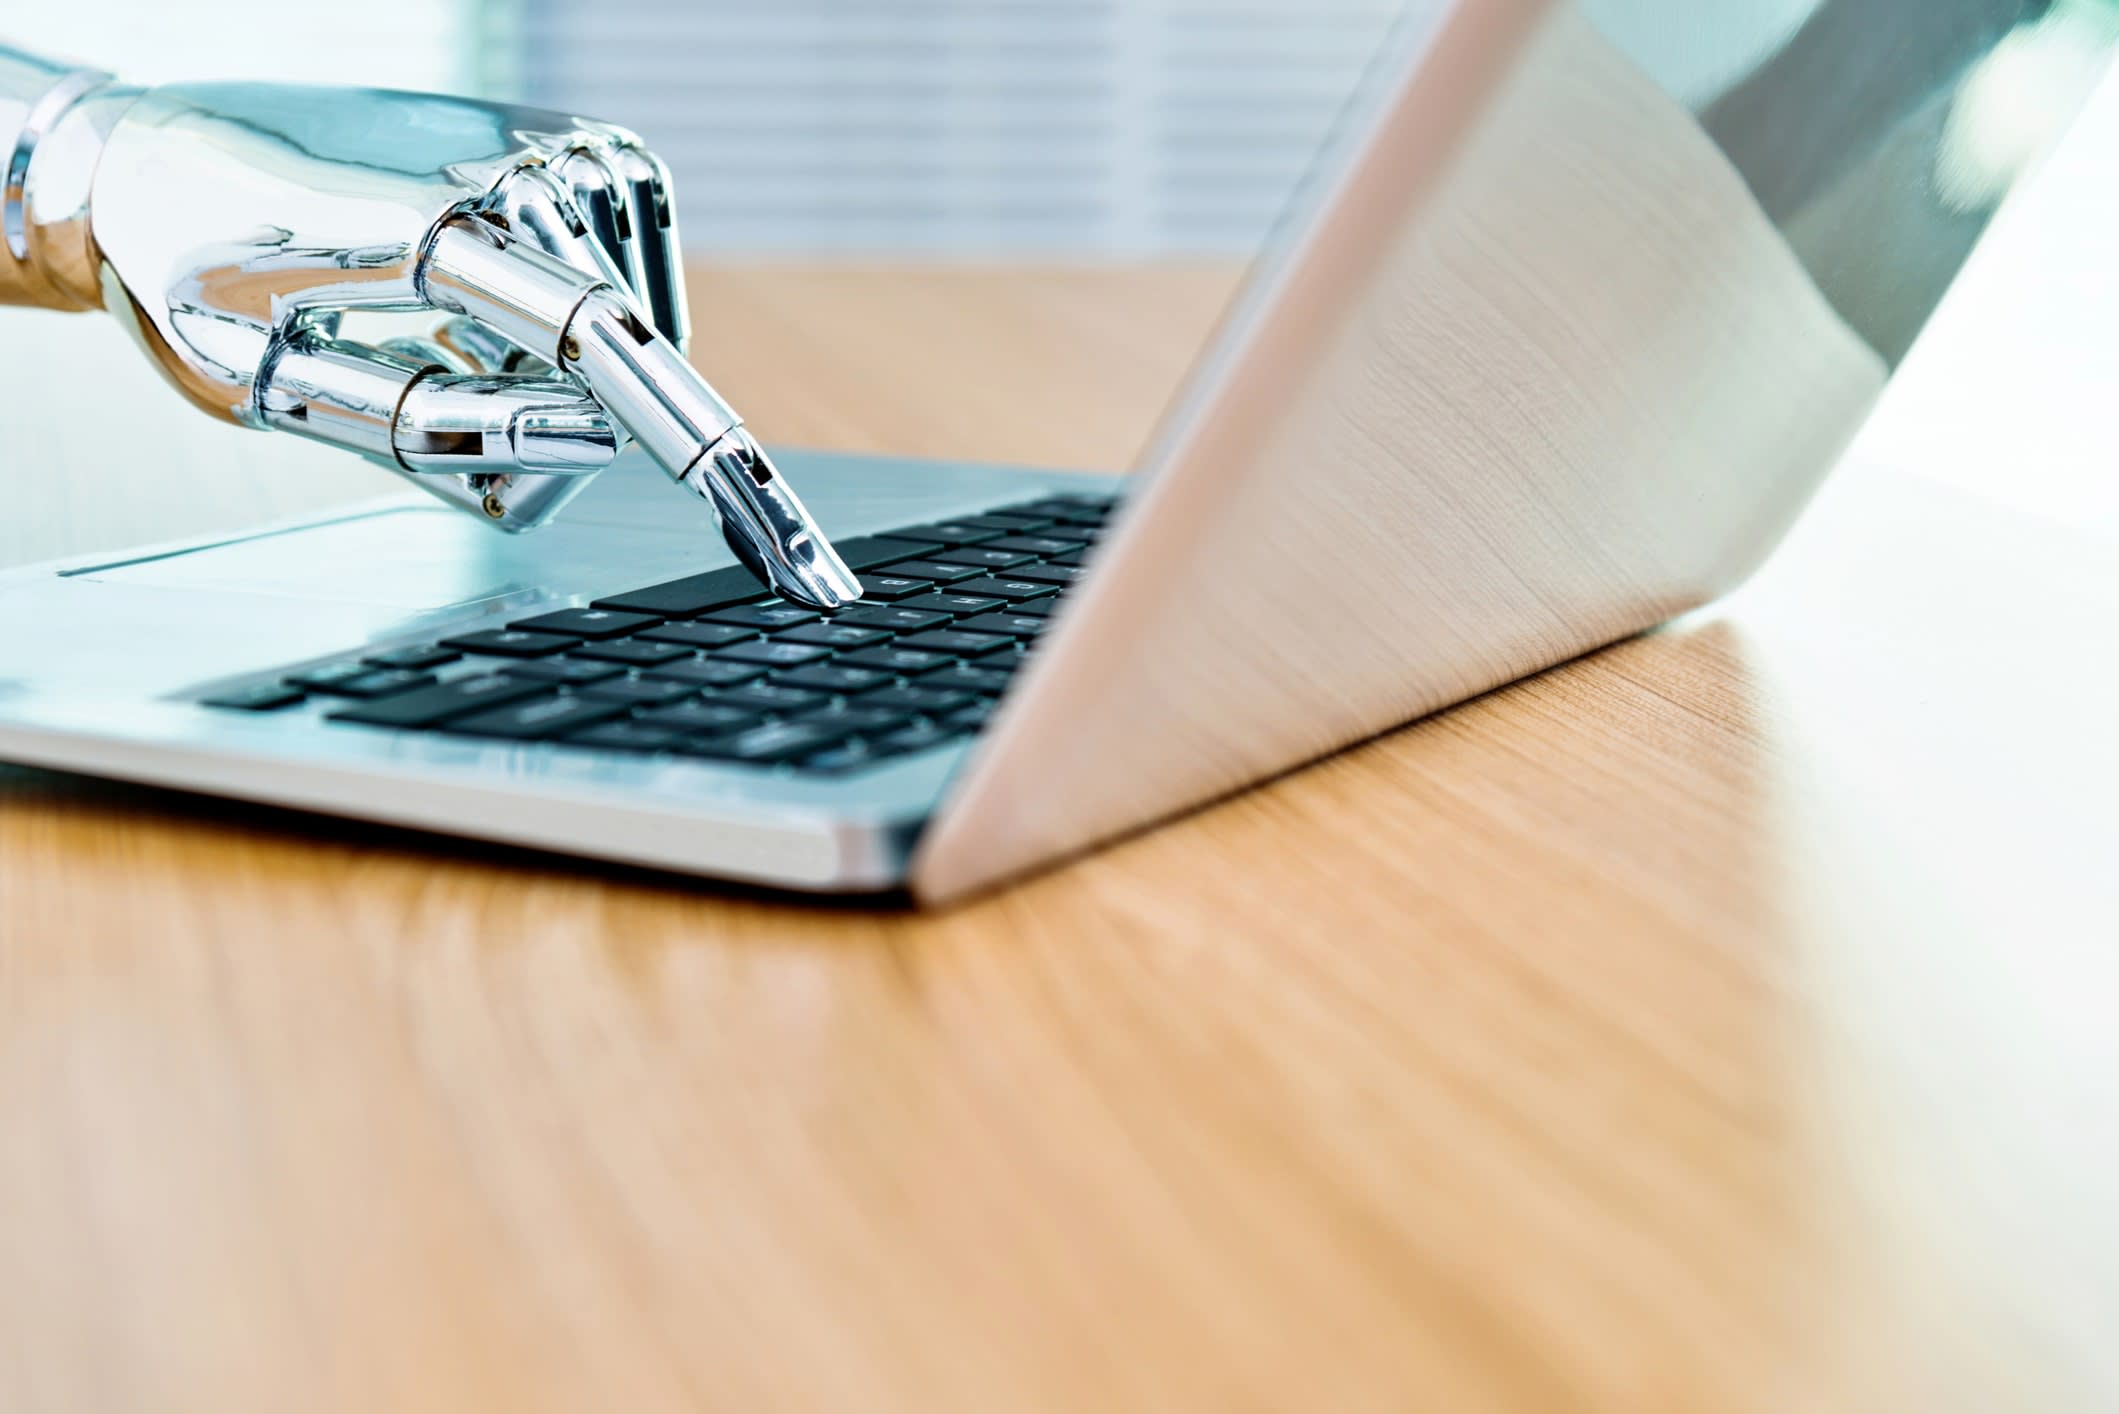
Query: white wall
{"x": 2010, "y": 391}
{"x": 401, "y": 43}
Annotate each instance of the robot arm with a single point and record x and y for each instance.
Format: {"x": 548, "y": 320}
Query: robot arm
{"x": 240, "y": 230}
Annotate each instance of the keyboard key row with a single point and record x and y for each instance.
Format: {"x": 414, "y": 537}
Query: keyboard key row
{"x": 430, "y": 706}
{"x": 419, "y": 657}
{"x": 511, "y": 643}
{"x": 538, "y": 718}
{"x": 359, "y": 680}
{"x": 1010, "y": 590}
{"x": 710, "y": 665}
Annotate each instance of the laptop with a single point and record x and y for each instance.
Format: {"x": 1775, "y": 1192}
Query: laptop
{"x": 1580, "y": 306}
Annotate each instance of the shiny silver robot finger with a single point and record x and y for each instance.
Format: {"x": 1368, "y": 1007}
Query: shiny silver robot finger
{"x": 597, "y": 191}
{"x": 654, "y": 217}
{"x": 594, "y": 333}
{"x": 510, "y": 450}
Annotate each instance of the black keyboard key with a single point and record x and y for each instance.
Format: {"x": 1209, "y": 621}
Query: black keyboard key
{"x": 765, "y": 617}
{"x": 1007, "y": 522}
{"x": 927, "y": 701}
{"x": 1073, "y": 561}
{"x": 1067, "y": 509}
{"x": 357, "y": 680}
{"x": 327, "y": 679}
{"x": 626, "y": 736}
{"x": 1035, "y": 545}
{"x": 980, "y": 681}
{"x": 844, "y": 759}
{"x": 705, "y": 672}
{"x": 1061, "y": 504}
{"x": 571, "y": 671}
{"x": 954, "y": 605}
{"x": 270, "y": 697}
{"x": 924, "y": 737}
{"x": 934, "y": 570}
{"x": 768, "y": 745}
{"x": 1012, "y": 589}
{"x": 766, "y": 698}
{"x": 587, "y": 623}
{"x": 385, "y": 682}
{"x": 771, "y": 654}
{"x": 948, "y": 532}
{"x": 694, "y": 594}
{"x": 891, "y": 618}
{"x": 1014, "y": 625}
{"x": 972, "y": 718}
{"x": 1086, "y": 509}
{"x": 889, "y": 588}
{"x": 856, "y": 719}
{"x": 870, "y": 551}
{"x": 1073, "y": 536}
{"x": 639, "y": 692}
{"x": 700, "y": 635}
{"x": 902, "y": 662}
{"x": 834, "y": 635}
{"x": 833, "y": 678}
{"x": 1059, "y": 576}
{"x": 634, "y": 652}
{"x": 982, "y": 558}
{"x": 696, "y": 718}
{"x": 537, "y": 718}
{"x": 455, "y": 698}
{"x": 1040, "y": 608}
{"x": 512, "y": 643}
{"x": 416, "y": 658}
{"x": 955, "y": 642}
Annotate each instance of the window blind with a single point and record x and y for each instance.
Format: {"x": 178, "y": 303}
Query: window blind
{"x": 1120, "y": 128}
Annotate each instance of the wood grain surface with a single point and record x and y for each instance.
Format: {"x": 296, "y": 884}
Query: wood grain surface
{"x": 1719, "y": 1023}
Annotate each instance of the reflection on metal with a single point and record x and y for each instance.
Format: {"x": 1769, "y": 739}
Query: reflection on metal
{"x": 1550, "y": 360}
{"x": 1878, "y": 135}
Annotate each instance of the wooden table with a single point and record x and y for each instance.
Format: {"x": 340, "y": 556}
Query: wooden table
{"x": 1725, "y": 1022}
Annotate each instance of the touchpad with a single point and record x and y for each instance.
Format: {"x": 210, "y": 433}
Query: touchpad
{"x": 423, "y": 558}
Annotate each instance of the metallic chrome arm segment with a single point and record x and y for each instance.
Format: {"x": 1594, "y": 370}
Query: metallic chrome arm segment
{"x": 42, "y": 244}
{"x": 655, "y": 239}
{"x": 523, "y": 448}
{"x": 513, "y": 449}
{"x": 457, "y": 423}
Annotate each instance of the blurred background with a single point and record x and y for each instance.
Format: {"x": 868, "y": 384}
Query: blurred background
{"x": 1039, "y": 136}
{"x": 1100, "y": 128}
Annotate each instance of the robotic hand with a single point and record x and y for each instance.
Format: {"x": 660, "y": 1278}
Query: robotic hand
{"x": 237, "y": 228}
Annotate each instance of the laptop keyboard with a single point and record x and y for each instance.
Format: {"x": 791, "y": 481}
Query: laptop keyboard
{"x": 712, "y": 667}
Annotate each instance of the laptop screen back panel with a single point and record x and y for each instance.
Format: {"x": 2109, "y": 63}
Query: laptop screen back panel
{"x": 1589, "y": 301}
